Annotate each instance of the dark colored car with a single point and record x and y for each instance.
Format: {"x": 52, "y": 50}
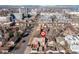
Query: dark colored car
{"x": 26, "y": 33}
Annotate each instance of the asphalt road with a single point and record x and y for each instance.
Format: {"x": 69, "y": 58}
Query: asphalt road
{"x": 22, "y": 46}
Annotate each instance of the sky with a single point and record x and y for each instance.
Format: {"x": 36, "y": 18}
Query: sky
{"x": 39, "y": 2}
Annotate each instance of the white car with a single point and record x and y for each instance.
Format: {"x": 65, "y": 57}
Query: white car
{"x": 52, "y": 52}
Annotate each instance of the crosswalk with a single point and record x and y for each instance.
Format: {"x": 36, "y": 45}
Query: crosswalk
{"x": 27, "y": 50}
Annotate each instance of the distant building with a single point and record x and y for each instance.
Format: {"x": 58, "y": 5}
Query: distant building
{"x": 74, "y": 13}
